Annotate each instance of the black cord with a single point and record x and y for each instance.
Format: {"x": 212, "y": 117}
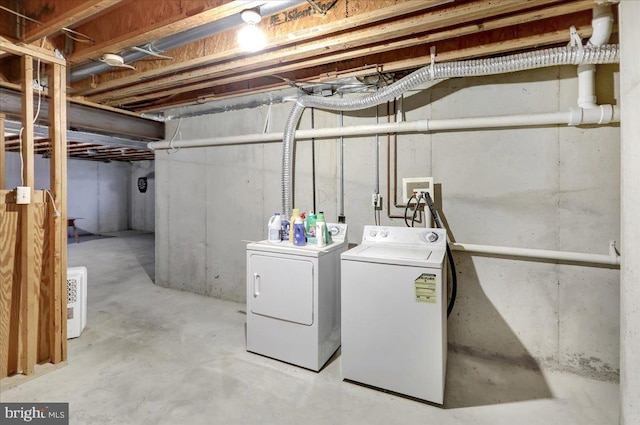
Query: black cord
{"x": 415, "y": 212}
{"x": 454, "y": 276}
{"x": 407, "y": 209}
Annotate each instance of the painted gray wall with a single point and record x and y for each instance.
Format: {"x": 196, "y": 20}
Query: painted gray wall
{"x": 98, "y": 192}
{"x": 548, "y": 188}
{"x": 143, "y": 204}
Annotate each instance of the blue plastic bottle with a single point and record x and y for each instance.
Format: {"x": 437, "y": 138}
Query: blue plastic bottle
{"x": 298, "y": 233}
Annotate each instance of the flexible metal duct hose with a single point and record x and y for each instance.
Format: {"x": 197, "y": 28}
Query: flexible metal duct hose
{"x": 609, "y": 53}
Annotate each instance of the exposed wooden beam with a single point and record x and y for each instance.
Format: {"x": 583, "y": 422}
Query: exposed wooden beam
{"x": 498, "y": 44}
{"x": 7, "y": 46}
{"x": 68, "y": 18}
{"x": 3, "y": 165}
{"x": 58, "y": 185}
{"x": 30, "y": 288}
{"x": 148, "y": 24}
{"x": 238, "y": 70}
{"x": 223, "y": 46}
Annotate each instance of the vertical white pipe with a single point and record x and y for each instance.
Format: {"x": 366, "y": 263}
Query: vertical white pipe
{"x": 630, "y": 214}
{"x": 601, "y": 23}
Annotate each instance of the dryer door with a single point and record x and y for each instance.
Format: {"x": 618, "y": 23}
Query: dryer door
{"x": 281, "y": 288}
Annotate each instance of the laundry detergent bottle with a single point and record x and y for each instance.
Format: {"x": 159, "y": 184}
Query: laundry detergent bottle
{"x": 311, "y": 228}
{"x": 298, "y": 233}
{"x": 296, "y": 214}
{"x": 273, "y": 229}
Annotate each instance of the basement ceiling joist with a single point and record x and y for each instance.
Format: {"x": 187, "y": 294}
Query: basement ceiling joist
{"x": 309, "y": 42}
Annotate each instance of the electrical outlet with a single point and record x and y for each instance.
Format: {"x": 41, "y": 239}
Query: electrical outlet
{"x": 23, "y": 195}
{"x": 376, "y": 201}
{"x": 411, "y": 185}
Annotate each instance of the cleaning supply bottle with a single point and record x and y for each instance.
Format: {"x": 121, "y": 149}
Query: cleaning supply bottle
{"x": 327, "y": 234}
{"x": 298, "y": 232}
{"x": 321, "y": 227}
{"x": 296, "y": 214}
{"x": 274, "y": 227}
{"x": 311, "y": 228}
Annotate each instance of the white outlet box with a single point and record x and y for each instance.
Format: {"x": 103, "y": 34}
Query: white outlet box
{"x": 23, "y": 195}
{"x": 418, "y": 184}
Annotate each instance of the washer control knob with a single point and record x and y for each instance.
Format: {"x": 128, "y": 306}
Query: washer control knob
{"x": 373, "y": 233}
{"x": 432, "y": 236}
{"x": 335, "y": 231}
{"x": 384, "y": 233}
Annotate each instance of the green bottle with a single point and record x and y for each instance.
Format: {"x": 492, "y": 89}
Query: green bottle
{"x": 311, "y": 228}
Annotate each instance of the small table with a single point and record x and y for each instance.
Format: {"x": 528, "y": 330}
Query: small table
{"x": 71, "y": 222}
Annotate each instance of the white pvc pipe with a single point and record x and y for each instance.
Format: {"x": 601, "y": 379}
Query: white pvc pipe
{"x": 603, "y": 114}
{"x": 576, "y": 257}
{"x": 602, "y": 23}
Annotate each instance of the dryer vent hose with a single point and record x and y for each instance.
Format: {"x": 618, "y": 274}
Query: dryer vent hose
{"x": 570, "y": 55}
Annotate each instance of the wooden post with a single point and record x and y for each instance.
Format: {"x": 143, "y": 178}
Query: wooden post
{"x": 57, "y": 225}
{"x": 30, "y": 288}
{"x": 3, "y": 164}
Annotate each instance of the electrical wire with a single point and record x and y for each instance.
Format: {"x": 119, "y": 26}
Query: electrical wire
{"x": 56, "y": 213}
{"x": 406, "y": 209}
{"x": 452, "y": 265}
{"x": 415, "y": 211}
{"x": 171, "y": 149}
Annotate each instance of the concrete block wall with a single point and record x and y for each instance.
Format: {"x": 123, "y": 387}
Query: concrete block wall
{"x": 548, "y": 188}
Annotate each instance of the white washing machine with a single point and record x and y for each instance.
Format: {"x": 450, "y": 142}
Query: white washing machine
{"x": 293, "y": 300}
{"x": 394, "y": 311}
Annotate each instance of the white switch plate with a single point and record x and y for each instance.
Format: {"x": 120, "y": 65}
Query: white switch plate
{"x": 23, "y": 195}
{"x": 421, "y": 184}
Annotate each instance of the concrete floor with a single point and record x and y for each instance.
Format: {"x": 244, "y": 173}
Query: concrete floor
{"x": 151, "y": 355}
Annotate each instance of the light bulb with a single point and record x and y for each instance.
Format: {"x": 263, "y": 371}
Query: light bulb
{"x": 251, "y": 38}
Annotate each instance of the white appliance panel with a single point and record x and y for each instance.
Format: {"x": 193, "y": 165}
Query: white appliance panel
{"x": 282, "y": 288}
{"x": 390, "y": 340}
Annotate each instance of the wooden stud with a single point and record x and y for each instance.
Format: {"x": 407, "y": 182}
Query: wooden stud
{"x": 61, "y": 288}
{"x": 9, "y": 286}
{"x": 58, "y": 150}
{"x": 29, "y": 285}
{"x": 3, "y": 164}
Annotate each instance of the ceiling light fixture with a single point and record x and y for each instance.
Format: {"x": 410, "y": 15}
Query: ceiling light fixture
{"x": 250, "y": 37}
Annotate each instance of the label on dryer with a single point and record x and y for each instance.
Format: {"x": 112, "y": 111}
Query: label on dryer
{"x": 426, "y": 288}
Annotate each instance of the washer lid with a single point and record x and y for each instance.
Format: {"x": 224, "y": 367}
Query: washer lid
{"x": 397, "y": 252}
{"x": 401, "y": 254}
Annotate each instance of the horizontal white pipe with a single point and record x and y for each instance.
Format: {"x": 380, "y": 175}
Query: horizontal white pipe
{"x": 603, "y": 114}
{"x": 576, "y": 257}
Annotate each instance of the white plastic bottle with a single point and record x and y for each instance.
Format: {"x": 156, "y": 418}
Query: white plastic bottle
{"x": 273, "y": 229}
{"x": 320, "y": 229}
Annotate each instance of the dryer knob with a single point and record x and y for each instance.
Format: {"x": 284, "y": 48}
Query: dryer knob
{"x": 432, "y": 236}
{"x": 373, "y": 233}
{"x": 384, "y": 233}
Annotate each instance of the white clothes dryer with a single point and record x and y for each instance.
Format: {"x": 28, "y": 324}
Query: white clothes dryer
{"x": 293, "y": 300}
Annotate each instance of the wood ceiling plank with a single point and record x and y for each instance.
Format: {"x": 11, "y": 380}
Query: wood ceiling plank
{"x": 144, "y": 21}
{"x": 67, "y": 17}
{"x": 500, "y": 42}
{"x": 223, "y": 46}
{"x": 240, "y": 71}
